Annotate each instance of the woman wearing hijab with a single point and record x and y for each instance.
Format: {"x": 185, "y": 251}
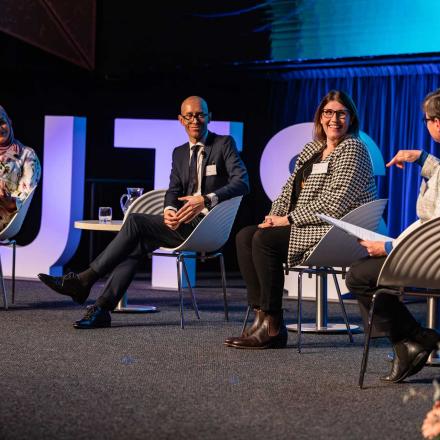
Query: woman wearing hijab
{"x": 20, "y": 171}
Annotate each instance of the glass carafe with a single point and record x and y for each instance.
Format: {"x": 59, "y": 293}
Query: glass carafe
{"x": 127, "y": 199}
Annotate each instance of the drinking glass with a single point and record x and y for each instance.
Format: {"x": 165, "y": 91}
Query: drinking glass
{"x": 105, "y": 214}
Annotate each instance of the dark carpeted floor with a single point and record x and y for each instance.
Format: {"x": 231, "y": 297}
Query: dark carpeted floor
{"x": 145, "y": 378}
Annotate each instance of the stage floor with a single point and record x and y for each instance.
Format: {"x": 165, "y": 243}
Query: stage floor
{"x": 145, "y": 378}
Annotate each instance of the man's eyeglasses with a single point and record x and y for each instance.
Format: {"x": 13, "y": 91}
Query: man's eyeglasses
{"x": 190, "y": 116}
{"x": 425, "y": 120}
{"x": 340, "y": 114}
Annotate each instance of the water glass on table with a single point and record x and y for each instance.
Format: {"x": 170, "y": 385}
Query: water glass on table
{"x": 105, "y": 214}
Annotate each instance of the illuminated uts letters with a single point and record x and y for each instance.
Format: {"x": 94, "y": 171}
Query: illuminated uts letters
{"x": 63, "y": 183}
{"x": 163, "y": 136}
{"x": 64, "y": 163}
{"x": 62, "y": 201}
{"x": 279, "y": 156}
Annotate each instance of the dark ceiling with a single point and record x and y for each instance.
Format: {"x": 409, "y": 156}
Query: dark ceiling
{"x": 132, "y": 38}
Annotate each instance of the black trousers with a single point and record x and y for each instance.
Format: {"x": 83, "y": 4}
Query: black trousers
{"x": 261, "y": 254}
{"x": 391, "y": 318}
{"x": 140, "y": 234}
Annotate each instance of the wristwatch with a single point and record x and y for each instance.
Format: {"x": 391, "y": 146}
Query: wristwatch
{"x": 207, "y": 202}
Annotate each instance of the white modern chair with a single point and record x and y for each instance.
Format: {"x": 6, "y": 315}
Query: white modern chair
{"x": 412, "y": 268}
{"x": 203, "y": 244}
{"x": 335, "y": 249}
{"x": 6, "y": 239}
{"x": 149, "y": 203}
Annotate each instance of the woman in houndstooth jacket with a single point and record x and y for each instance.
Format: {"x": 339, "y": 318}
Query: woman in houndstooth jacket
{"x": 412, "y": 343}
{"x": 332, "y": 175}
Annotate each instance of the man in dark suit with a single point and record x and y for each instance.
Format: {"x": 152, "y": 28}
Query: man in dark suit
{"x": 205, "y": 171}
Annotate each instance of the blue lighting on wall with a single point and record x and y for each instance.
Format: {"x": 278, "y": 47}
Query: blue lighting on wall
{"x": 315, "y": 29}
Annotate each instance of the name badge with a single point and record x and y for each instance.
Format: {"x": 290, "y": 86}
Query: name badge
{"x": 320, "y": 168}
{"x": 211, "y": 170}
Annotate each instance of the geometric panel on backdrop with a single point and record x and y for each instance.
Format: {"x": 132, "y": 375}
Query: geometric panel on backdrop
{"x": 63, "y": 28}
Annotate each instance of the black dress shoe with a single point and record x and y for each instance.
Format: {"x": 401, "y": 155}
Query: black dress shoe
{"x": 69, "y": 285}
{"x": 259, "y": 317}
{"x": 95, "y": 317}
{"x": 409, "y": 358}
{"x": 272, "y": 333}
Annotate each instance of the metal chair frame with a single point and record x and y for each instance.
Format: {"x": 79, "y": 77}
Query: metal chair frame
{"x": 367, "y": 216}
{"x": 402, "y": 291}
{"x": 201, "y": 246}
{"x": 180, "y": 262}
{"x": 412, "y": 268}
{"x": 319, "y": 271}
{"x": 153, "y": 203}
{"x": 6, "y": 235}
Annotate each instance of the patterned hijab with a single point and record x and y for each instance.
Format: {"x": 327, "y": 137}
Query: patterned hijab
{"x": 12, "y": 145}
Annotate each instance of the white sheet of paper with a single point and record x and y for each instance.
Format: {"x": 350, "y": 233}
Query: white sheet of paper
{"x": 357, "y": 231}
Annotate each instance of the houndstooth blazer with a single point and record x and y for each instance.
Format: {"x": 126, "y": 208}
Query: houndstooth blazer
{"x": 348, "y": 183}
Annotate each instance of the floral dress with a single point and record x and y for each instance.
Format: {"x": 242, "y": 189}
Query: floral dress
{"x": 20, "y": 173}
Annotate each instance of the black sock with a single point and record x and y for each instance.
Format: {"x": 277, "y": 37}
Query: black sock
{"x": 88, "y": 277}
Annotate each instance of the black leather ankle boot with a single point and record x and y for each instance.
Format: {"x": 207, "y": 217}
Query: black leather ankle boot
{"x": 258, "y": 320}
{"x": 272, "y": 333}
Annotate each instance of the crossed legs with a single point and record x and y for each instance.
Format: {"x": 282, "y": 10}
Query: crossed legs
{"x": 140, "y": 234}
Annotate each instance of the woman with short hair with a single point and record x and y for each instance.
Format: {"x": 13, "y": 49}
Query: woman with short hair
{"x": 412, "y": 343}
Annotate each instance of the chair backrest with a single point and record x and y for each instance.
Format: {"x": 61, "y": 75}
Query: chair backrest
{"x": 151, "y": 202}
{"x": 214, "y": 229}
{"x": 415, "y": 261}
{"x": 338, "y": 249}
{"x": 17, "y": 220}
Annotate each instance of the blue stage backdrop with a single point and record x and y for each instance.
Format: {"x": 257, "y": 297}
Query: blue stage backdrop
{"x": 389, "y": 102}
{"x": 321, "y": 29}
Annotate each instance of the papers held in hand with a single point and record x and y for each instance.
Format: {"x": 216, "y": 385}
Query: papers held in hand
{"x": 356, "y": 231}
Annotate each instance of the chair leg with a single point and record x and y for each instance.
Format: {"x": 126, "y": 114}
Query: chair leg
{"x": 246, "y": 319}
{"x": 225, "y": 300}
{"x": 191, "y": 291}
{"x": 344, "y": 312}
{"x": 14, "y": 243}
{"x": 2, "y": 286}
{"x": 299, "y": 311}
{"x": 179, "y": 287}
{"x": 367, "y": 342}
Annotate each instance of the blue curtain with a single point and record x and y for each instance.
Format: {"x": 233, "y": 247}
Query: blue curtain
{"x": 389, "y": 102}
